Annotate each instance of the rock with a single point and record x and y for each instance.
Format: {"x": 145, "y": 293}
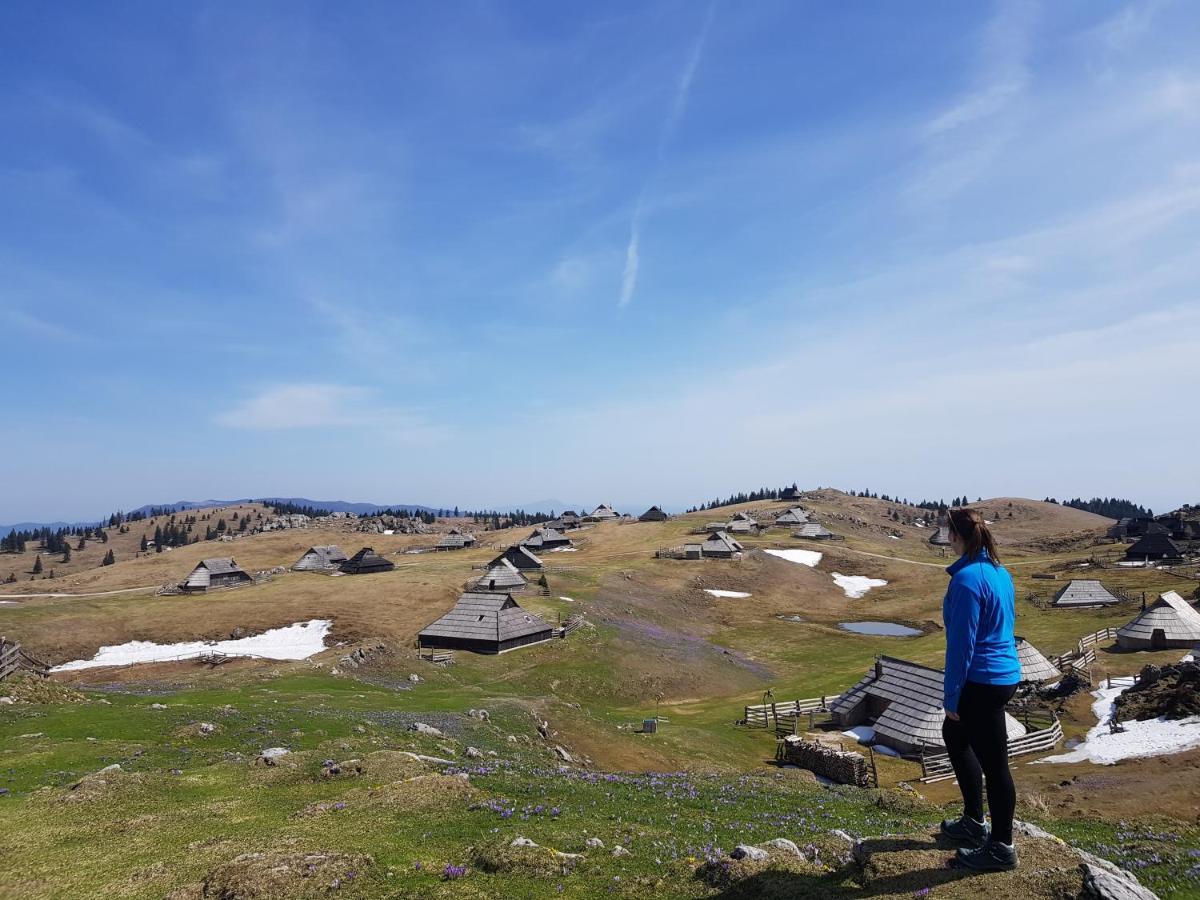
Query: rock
{"x": 1028, "y": 829}
{"x": 450, "y": 751}
{"x": 207, "y": 727}
{"x": 474, "y": 753}
{"x": 512, "y": 739}
{"x": 619, "y": 852}
{"x": 492, "y": 753}
{"x": 237, "y": 633}
{"x": 422, "y": 728}
{"x": 1101, "y": 884}
{"x": 158, "y": 706}
{"x": 480, "y": 714}
{"x": 562, "y": 754}
{"x": 785, "y": 845}
{"x": 745, "y": 851}
{"x": 275, "y": 752}
{"x": 522, "y": 842}
{"x": 115, "y": 767}
{"x": 544, "y": 729}
{"x": 360, "y": 729}
{"x": 7, "y": 701}
{"x": 415, "y": 678}
{"x": 594, "y": 843}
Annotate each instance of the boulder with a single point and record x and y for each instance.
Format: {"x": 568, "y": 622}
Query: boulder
{"x": 474, "y": 753}
{"x": 619, "y": 851}
{"x": 522, "y": 842}
{"x": 784, "y": 845}
{"x": 745, "y": 851}
{"x": 422, "y": 728}
{"x": 1103, "y": 884}
{"x": 594, "y": 843}
{"x": 562, "y": 754}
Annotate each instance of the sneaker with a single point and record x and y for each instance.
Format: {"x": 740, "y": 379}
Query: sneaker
{"x": 966, "y": 831}
{"x": 991, "y": 857}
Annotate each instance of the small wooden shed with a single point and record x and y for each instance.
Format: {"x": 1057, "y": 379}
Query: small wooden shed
{"x": 365, "y": 562}
{"x": 813, "y": 531}
{"x": 325, "y": 558}
{"x": 719, "y": 545}
{"x": 940, "y": 536}
{"x": 520, "y": 557}
{"x": 1170, "y": 622}
{"x": 1035, "y": 668}
{"x": 546, "y": 539}
{"x": 218, "y": 572}
{"x": 602, "y": 513}
{"x": 903, "y": 701}
{"x": 792, "y": 493}
{"x": 1084, "y": 594}
{"x": 503, "y": 578}
{"x": 653, "y": 514}
{"x": 483, "y": 622}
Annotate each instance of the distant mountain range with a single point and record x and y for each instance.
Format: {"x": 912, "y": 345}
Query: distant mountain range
{"x": 361, "y": 509}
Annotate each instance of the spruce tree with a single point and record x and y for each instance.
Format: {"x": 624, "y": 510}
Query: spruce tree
{"x": 109, "y": 559}
{"x": 66, "y": 553}
{"x": 37, "y": 565}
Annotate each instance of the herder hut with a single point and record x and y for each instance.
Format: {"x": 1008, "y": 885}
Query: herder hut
{"x": 503, "y": 578}
{"x": 720, "y": 545}
{"x": 456, "y": 539}
{"x": 1154, "y": 547}
{"x": 794, "y": 516}
{"x": 365, "y": 562}
{"x": 546, "y": 539}
{"x": 653, "y": 514}
{"x": 325, "y": 558}
{"x": 483, "y": 622}
{"x": 903, "y": 701}
{"x": 218, "y": 572}
{"x": 940, "y": 536}
{"x": 602, "y": 513}
{"x": 813, "y": 531}
{"x": 568, "y": 520}
{"x": 792, "y": 493}
{"x": 743, "y": 524}
{"x": 1170, "y": 622}
{"x": 1035, "y": 668}
{"x": 1084, "y": 594}
{"x": 519, "y": 556}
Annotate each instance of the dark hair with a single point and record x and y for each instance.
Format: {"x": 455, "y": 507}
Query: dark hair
{"x": 968, "y": 524}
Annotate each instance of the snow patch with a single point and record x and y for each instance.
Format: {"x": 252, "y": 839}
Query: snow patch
{"x": 856, "y": 586}
{"x": 562, "y": 549}
{"x": 738, "y": 595}
{"x": 864, "y": 734}
{"x": 297, "y": 641}
{"x": 894, "y": 537}
{"x": 568, "y": 599}
{"x": 805, "y": 557}
{"x": 1153, "y": 737}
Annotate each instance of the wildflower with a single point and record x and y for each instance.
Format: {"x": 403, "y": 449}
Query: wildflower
{"x": 923, "y": 892}
{"x": 452, "y": 872}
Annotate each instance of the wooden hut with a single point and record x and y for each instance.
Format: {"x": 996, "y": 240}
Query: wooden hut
{"x": 218, "y": 572}
{"x": 325, "y": 558}
{"x": 1170, "y": 622}
{"x": 793, "y": 516}
{"x": 903, "y": 701}
{"x": 720, "y": 545}
{"x": 503, "y": 578}
{"x": 1156, "y": 547}
{"x": 456, "y": 539}
{"x": 602, "y": 513}
{"x": 792, "y": 493}
{"x": 546, "y": 539}
{"x": 813, "y": 531}
{"x": 483, "y": 622}
{"x": 520, "y": 557}
{"x": 653, "y": 514}
{"x": 566, "y": 522}
{"x": 743, "y": 523}
{"x": 365, "y": 562}
{"x": 1084, "y": 594}
{"x": 1035, "y": 668}
{"x": 940, "y": 536}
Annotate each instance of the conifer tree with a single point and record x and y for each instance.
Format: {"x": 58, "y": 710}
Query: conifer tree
{"x": 109, "y": 559}
{"x": 66, "y": 553}
{"x": 37, "y": 565}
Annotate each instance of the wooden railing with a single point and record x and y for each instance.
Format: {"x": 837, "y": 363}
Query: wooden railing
{"x": 936, "y": 766}
{"x": 435, "y": 656}
{"x": 13, "y": 659}
{"x": 764, "y": 714}
{"x": 573, "y": 623}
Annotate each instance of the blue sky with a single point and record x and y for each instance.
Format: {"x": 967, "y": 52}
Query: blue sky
{"x": 486, "y": 253}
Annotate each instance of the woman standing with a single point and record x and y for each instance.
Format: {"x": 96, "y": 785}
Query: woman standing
{"x": 982, "y": 673}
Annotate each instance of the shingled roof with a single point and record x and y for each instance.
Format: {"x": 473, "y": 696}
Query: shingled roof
{"x": 325, "y": 556}
{"x": 653, "y": 514}
{"x": 1083, "y": 593}
{"x": 603, "y": 511}
{"x": 720, "y": 542}
{"x": 1155, "y": 546}
{"x": 487, "y": 618}
{"x": 794, "y": 516}
{"x": 520, "y": 557}
{"x": 914, "y": 697}
{"x": 813, "y": 531}
{"x": 1177, "y": 621}
{"x": 940, "y": 537}
{"x": 454, "y": 539}
{"x": 366, "y": 561}
{"x": 502, "y": 577}
{"x": 1034, "y": 666}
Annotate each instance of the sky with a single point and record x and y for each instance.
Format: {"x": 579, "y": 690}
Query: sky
{"x": 484, "y": 253}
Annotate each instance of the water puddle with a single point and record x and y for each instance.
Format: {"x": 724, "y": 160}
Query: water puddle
{"x": 879, "y": 629}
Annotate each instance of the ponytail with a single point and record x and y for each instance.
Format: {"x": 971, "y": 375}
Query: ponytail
{"x": 968, "y": 524}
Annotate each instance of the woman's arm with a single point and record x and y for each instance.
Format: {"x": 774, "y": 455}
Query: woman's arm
{"x": 962, "y": 622}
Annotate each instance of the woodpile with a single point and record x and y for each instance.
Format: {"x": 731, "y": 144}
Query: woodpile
{"x": 842, "y": 766}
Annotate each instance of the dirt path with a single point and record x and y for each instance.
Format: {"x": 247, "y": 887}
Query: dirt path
{"x": 147, "y": 587}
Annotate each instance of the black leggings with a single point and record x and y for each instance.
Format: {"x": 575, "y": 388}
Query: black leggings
{"x": 978, "y": 747}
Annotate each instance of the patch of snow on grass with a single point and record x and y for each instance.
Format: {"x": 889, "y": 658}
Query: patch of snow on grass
{"x": 805, "y": 557}
{"x": 864, "y": 734}
{"x": 738, "y": 595}
{"x": 856, "y": 586}
{"x": 1153, "y": 737}
{"x": 298, "y": 641}
{"x": 894, "y": 537}
{"x": 568, "y": 599}
{"x": 562, "y": 549}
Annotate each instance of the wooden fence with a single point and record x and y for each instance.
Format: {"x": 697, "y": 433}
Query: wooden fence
{"x": 14, "y": 659}
{"x": 1044, "y": 734}
{"x": 429, "y": 654}
{"x": 572, "y": 623}
{"x": 764, "y": 714}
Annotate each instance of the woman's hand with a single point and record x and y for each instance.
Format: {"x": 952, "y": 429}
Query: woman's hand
{"x": 953, "y": 717}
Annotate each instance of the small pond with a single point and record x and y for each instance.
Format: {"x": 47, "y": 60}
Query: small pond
{"x": 880, "y": 629}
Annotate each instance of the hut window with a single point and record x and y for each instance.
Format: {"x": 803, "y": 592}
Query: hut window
{"x": 481, "y": 618}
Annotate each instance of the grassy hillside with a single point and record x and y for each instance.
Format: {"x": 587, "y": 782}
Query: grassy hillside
{"x": 656, "y": 642}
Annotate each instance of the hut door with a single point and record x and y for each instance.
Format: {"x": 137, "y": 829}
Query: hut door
{"x": 1158, "y": 640}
